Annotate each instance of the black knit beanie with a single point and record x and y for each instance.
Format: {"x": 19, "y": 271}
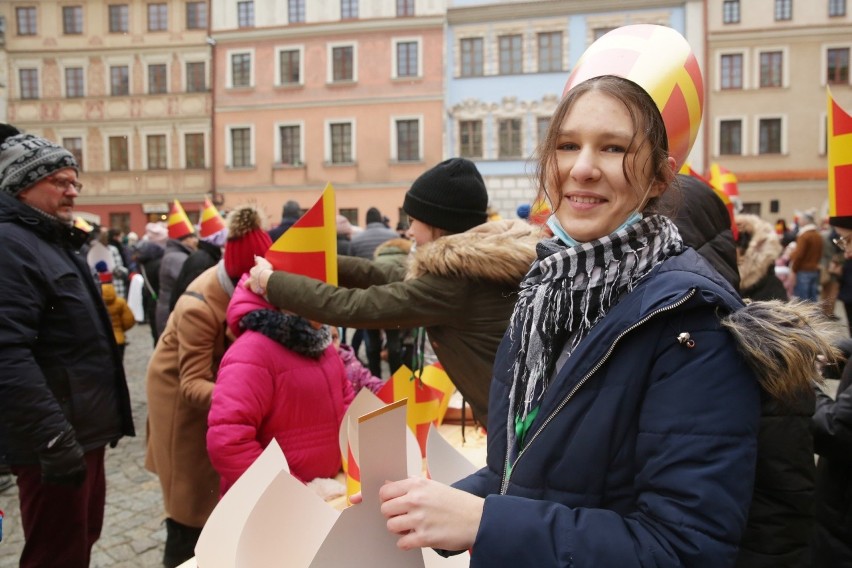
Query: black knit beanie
{"x": 450, "y": 196}
{"x": 842, "y": 222}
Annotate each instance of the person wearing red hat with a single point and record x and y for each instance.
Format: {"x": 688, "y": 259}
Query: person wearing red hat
{"x": 179, "y": 386}
{"x": 624, "y": 401}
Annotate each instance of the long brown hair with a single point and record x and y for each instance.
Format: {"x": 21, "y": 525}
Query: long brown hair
{"x": 649, "y": 131}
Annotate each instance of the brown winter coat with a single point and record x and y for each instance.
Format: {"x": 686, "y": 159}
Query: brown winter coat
{"x": 808, "y": 252}
{"x": 119, "y": 312}
{"x": 180, "y": 380}
{"x": 461, "y": 287}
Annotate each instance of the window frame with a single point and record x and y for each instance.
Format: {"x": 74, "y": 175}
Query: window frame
{"x": 186, "y": 153}
{"x": 197, "y": 16}
{"x": 161, "y": 153}
{"x": 331, "y": 48}
{"x": 476, "y": 138}
{"x": 296, "y": 11}
{"x": 783, "y": 10}
{"x": 395, "y": 57}
{"x": 769, "y": 80}
{"x": 510, "y": 54}
{"x": 125, "y": 80}
{"x": 299, "y": 154}
{"x": 396, "y": 142}
{"x": 246, "y": 16}
{"x": 329, "y": 143}
{"x": 730, "y": 76}
{"x": 29, "y": 88}
{"x": 731, "y": 12}
{"x": 721, "y": 148}
{"x": 405, "y": 8}
{"x": 837, "y": 69}
{"x": 836, "y": 8}
{"x": 78, "y": 83}
{"x": 516, "y": 135}
{"x": 112, "y": 164}
{"x": 348, "y": 9}
{"x": 230, "y": 72}
{"x": 230, "y": 154}
{"x": 472, "y": 56}
{"x": 118, "y": 14}
{"x": 158, "y": 17}
{"x": 72, "y": 20}
{"x": 280, "y": 50}
{"x": 77, "y": 152}
{"x": 782, "y": 145}
{"x": 550, "y": 55}
{"x": 28, "y": 16}
{"x": 191, "y": 83}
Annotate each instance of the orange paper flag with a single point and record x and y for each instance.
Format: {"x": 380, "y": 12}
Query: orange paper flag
{"x": 839, "y": 160}
{"x": 309, "y": 247}
{"x": 687, "y": 170}
{"x": 211, "y": 220}
{"x": 723, "y": 180}
{"x": 179, "y": 224}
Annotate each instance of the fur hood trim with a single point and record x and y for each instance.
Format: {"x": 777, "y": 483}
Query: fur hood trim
{"x": 496, "y": 251}
{"x": 394, "y": 246}
{"x": 783, "y": 343}
{"x": 762, "y": 252}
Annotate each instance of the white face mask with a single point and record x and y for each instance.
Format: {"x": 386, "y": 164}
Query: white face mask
{"x": 563, "y": 235}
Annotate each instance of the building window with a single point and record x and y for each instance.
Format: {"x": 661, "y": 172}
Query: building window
{"x": 511, "y": 54}
{"x": 196, "y": 15}
{"x": 837, "y": 66}
{"x": 348, "y": 9}
{"x": 196, "y": 81}
{"x": 120, "y": 221}
{"x": 29, "y": 83}
{"x": 296, "y": 11}
{"x": 119, "y": 80}
{"x": 157, "y": 152}
{"x": 245, "y": 14}
{"x": 770, "y": 136}
{"x": 404, "y": 8}
{"x": 783, "y": 10}
{"x": 289, "y": 70}
{"x": 74, "y": 82}
{"x": 836, "y": 8}
{"x": 26, "y": 20}
{"x": 194, "y": 151}
{"x": 731, "y": 72}
{"x": 731, "y": 12}
{"x": 72, "y": 20}
{"x": 241, "y": 70}
{"x": 549, "y": 52}
{"x": 157, "y": 79}
{"x": 470, "y": 138}
{"x": 291, "y": 143}
{"x": 406, "y": 59}
{"x": 341, "y": 142}
{"x": 407, "y": 140}
{"x": 509, "y": 143}
{"x": 240, "y": 147}
{"x": 472, "y": 57}
{"x": 730, "y": 137}
{"x": 75, "y": 146}
{"x": 771, "y": 68}
{"x": 542, "y": 124}
{"x": 598, "y": 32}
{"x": 343, "y": 63}
{"x": 118, "y": 18}
{"x": 158, "y": 17}
{"x": 118, "y": 154}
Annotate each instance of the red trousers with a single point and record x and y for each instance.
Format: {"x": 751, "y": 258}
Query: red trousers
{"x": 61, "y": 522}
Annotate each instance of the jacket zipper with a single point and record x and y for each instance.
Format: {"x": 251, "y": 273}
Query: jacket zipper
{"x": 504, "y": 485}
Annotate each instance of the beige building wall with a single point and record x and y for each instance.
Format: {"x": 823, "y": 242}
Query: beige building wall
{"x": 778, "y": 185}
{"x": 139, "y": 193}
{"x": 372, "y": 103}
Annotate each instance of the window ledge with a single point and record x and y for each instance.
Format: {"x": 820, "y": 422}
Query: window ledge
{"x": 339, "y": 164}
{"x": 340, "y": 84}
{"x": 240, "y": 168}
{"x": 283, "y": 166}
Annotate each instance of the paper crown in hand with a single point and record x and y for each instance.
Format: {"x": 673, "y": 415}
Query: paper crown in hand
{"x": 660, "y": 60}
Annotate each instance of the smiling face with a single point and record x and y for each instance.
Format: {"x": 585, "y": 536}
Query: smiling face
{"x": 595, "y": 167}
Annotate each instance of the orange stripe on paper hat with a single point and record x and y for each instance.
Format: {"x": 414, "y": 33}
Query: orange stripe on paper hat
{"x": 839, "y": 165}
{"x": 179, "y": 224}
{"x": 660, "y": 60}
{"x": 211, "y": 221}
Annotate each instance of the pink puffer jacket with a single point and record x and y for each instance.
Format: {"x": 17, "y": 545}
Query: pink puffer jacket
{"x": 264, "y": 391}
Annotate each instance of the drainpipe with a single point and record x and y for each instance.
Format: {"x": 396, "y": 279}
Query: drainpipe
{"x": 217, "y": 198}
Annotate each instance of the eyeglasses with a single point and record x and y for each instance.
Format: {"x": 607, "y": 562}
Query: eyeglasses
{"x": 65, "y": 184}
{"x": 842, "y": 242}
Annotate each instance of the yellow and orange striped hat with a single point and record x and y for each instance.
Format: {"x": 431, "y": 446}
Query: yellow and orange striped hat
{"x": 211, "y": 221}
{"x": 658, "y": 59}
{"x": 179, "y": 223}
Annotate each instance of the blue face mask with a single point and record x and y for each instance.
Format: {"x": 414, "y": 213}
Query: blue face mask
{"x": 557, "y": 229}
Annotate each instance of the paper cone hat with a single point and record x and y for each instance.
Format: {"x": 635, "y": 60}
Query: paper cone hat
{"x": 658, "y": 59}
{"x": 83, "y": 225}
{"x": 839, "y": 165}
{"x": 179, "y": 224}
{"x": 211, "y": 221}
{"x": 309, "y": 247}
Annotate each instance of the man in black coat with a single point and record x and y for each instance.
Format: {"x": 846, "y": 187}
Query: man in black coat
{"x": 63, "y": 394}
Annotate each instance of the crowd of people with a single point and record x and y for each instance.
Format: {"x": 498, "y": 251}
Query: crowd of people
{"x": 651, "y": 385}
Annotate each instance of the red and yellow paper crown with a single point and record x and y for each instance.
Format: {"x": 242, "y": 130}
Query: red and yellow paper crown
{"x": 179, "y": 224}
{"x": 83, "y": 225}
{"x": 211, "y": 221}
{"x": 658, "y": 59}
{"x": 309, "y": 247}
{"x": 839, "y": 162}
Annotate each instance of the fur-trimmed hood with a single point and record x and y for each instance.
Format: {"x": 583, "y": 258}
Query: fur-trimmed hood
{"x": 497, "y": 251}
{"x": 783, "y": 342}
{"x": 762, "y": 251}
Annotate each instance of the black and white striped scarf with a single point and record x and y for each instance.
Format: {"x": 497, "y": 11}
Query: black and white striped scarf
{"x": 566, "y": 292}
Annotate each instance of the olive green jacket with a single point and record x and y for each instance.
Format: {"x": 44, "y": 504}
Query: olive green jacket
{"x": 461, "y": 287}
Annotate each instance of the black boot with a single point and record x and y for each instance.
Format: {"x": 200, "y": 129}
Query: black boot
{"x": 180, "y": 543}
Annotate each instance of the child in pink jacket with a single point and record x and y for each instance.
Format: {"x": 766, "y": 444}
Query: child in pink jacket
{"x": 282, "y": 378}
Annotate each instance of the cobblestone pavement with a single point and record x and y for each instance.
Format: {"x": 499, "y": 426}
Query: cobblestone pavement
{"x": 133, "y": 533}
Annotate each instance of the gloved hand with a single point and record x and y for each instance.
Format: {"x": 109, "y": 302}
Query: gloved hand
{"x": 62, "y": 461}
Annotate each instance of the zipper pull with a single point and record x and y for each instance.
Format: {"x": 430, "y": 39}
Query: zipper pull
{"x": 684, "y": 339}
